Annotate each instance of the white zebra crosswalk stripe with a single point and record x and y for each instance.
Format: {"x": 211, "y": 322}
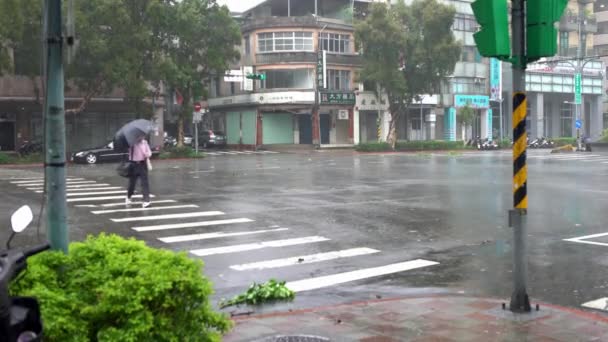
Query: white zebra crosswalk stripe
{"x": 216, "y": 235}
{"x": 121, "y": 204}
{"x": 168, "y": 216}
{"x": 73, "y": 194}
{"x": 68, "y": 183}
{"x": 596, "y": 160}
{"x": 191, "y": 224}
{"x": 111, "y": 211}
{"x": 87, "y": 189}
{"x": 258, "y": 245}
{"x": 39, "y": 180}
{"x": 340, "y": 278}
{"x": 304, "y": 259}
{"x": 102, "y": 198}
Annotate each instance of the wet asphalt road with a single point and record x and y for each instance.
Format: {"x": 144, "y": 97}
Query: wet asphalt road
{"x": 450, "y": 209}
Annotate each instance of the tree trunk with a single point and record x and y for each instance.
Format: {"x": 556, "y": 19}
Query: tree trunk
{"x": 392, "y": 130}
{"x": 463, "y": 129}
{"x": 180, "y": 131}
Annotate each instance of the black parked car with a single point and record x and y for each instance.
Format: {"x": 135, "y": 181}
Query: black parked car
{"x": 103, "y": 154}
{"x": 209, "y": 138}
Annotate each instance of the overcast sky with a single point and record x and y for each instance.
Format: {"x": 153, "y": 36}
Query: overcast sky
{"x": 239, "y": 5}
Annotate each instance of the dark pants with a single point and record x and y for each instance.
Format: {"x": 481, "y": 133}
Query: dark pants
{"x": 140, "y": 170}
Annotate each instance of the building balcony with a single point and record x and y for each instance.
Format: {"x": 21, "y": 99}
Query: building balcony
{"x": 291, "y": 22}
{"x": 306, "y": 58}
{"x": 570, "y": 23}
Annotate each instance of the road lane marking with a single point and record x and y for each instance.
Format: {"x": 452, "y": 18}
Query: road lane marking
{"x": 596, "y": 160}
{"x": 304, "y": 259}
{"x": 68, "y": 183}
{"x": 340, "y": 278}
{"x": 257, "y": 245}
{"x": 191, "y": 224}
{"x": 102, "y": 198}
{"x": 23, "y": 178}
{"x": 598, "y": 304}
{"x": 99, "y": 212}
{"x": 86, "y": 189}
{"x": 216, "y": 235}
{"x": 168, "y": 216}
{"x": 38, "y": 181}
{"x": 583, "y": 239}
{"x": 120, "y": 204}
{"x": 201, "y": 171}
{"x": 72, "y": 194}
{"x": 87, "y": 185}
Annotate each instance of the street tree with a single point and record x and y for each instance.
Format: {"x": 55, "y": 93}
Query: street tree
{"x": 201, "y": 44}
{"x": 407, "y": 51}
{"x": 117, "y": 45}
{"x": 11, "y": 31}
{"x": 465, "y": 117}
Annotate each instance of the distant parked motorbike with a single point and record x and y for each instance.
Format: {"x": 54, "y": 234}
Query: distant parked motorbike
{"x": 29, "y": 147}
{"x": 546, "y": 143}
{"x": 488, "y": 144}
{"x": 169, "y": 141}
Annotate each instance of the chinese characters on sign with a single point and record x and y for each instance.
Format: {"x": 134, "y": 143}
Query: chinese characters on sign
{"x": 577, "y": 89}
{"x": 475, "y": 101}
{"x": 495, "y": 79}
{"x": 321, "y": 69}
{"x": 338, "y": 98}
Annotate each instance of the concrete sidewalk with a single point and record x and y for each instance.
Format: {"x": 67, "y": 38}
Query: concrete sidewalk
{"x": 436, "y": 318}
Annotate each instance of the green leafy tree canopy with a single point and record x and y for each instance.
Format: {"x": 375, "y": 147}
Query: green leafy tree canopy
{"x": 407, "y": 50}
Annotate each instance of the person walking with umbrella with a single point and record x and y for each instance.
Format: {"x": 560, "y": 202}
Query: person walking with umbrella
{"x": 132, "y": 136}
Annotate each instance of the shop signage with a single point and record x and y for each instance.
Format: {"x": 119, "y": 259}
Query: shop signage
{"x": 475, "y": 101}
{"x": 337, "y": 98}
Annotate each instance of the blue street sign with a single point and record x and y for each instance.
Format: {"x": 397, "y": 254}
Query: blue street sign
{"x": 578, "y": 124}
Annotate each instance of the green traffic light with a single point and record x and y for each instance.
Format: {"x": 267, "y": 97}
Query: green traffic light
{"x": 492, "y": 39}
{"x": 541, "y": 35}
{"x": 256, "y": 76}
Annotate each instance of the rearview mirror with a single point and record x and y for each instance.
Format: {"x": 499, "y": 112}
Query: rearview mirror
{"x": 21, "y": 218}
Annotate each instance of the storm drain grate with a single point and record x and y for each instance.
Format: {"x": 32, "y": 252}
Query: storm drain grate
{"x": 295, "y": 338}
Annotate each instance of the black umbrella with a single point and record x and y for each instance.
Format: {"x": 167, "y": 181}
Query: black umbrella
{"x": 130, "y": 133}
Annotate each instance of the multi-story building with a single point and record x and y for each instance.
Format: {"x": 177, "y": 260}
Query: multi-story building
{"x": 600, "y": 40}
{"x": 284, "y": 41}
{"x": 282, "y": 38}
{"x": 554, "y": 108}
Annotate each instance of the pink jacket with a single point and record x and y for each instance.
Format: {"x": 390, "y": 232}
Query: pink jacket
{"x": 140, "y": 151}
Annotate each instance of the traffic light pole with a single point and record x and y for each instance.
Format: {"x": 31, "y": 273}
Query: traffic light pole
{"x": 519, "y": 299}
{"x": 54, "y": 117}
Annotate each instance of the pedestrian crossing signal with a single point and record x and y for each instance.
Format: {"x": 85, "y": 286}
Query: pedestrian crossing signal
{"x": 256, "y": 76}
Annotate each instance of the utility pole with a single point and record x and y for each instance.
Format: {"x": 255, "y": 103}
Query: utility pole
{"x": 54, "y": 116}
{"x": 520, "y": 301}
{"x": 579, "y": 72}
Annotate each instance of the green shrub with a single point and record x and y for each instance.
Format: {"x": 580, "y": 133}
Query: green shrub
{"x": 180, "y": 152}
{"x": 504, "y": 143}
{"x": 429, "y": 145}
{"x": 112, "y": 289}
{"x": 373, "y": 147}
{"x": 564, "y": 141}
{"x": 604, "y": 137}
{"x": 418, "y": 145}
{"x": 5, "y": 158}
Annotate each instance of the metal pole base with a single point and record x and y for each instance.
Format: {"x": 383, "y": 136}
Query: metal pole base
{"x": 520, "y": 303}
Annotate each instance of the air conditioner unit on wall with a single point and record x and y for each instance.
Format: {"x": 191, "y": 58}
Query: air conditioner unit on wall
{"x": 343, "y": 114}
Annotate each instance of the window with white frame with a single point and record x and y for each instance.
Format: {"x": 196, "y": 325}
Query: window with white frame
{"x": 338, "y": 79}
{"x": 285, "y": 41}
{"x": 334, "y": 43}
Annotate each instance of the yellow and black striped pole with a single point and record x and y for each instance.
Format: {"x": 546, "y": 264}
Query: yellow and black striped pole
{"x": 520, "y": 301}
{"x": 520, "y": 169}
